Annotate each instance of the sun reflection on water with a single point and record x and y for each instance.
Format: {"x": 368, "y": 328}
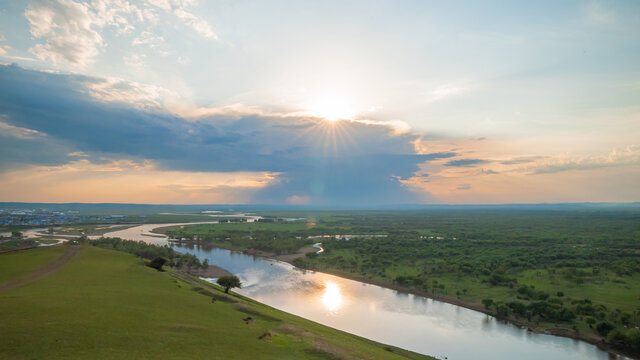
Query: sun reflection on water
{"x": 332, "y": 297}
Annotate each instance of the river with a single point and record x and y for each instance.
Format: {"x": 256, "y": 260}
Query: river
{"x": 404, "y": 320}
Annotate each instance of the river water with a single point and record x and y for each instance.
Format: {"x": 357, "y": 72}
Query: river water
{"x": 411, "y": 322}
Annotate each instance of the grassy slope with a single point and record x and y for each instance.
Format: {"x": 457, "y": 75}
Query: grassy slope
{"x": 105, "y": 304}
{"x": 19, "y": 263}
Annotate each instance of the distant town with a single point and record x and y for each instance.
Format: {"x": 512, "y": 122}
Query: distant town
{"x": 50, "y": 217}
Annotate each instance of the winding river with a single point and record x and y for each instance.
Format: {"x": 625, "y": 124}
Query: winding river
{"x": 412, "y": 322}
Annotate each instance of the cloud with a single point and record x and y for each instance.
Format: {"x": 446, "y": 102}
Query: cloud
{"x": 127, "y": 181}
{"x": 134, "y": 60}
{"x": 298, "y": 200}
{"x": 73, "y": 31}
{"x": 181, "y": 9}
{"x": 126, "y": 92}
{"x": 465, "y": 162}
{"x": 446, "y": 91}
{"x": 120, "y": 14}
{"x": 19, "y": 132}
{"x": 67, "y": 28}
{"x": 199, "y": 25}
{"x": 343, "y": 162}
{"x": 21, "y": 146}
{"x": 629, "y": 155}
{"x": 489, "y": 172}
{"x": 152, "y": 41}
{"x": 521, "y": 160}
{"x": 3, "y": 48}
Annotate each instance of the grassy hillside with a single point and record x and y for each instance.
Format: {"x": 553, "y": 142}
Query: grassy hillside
{"x": 105, "y": 304}
{"x": 19, "y": 263}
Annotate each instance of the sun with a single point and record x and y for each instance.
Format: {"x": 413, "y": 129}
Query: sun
{"x": 332, "y": 108}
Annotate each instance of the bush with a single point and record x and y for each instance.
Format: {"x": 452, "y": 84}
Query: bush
{"x": 503, "y": 309}
{"x": 157, "y": 263}
{"x": 633, "y": 339}
{"x": 604, "y": 328}
{"x": 487, "y": 303}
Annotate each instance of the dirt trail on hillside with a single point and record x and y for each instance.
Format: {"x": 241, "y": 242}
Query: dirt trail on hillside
{"x": 42, "y": 272}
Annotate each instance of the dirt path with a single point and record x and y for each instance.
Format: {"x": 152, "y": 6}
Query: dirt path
{"x": 42, "y": 272}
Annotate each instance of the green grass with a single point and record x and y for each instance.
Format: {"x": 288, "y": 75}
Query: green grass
{"x": 16, "y": 264}
{"x": 609, "y": 289}
{"x": 293, "y": 226}
{"x": 105, "y": 304}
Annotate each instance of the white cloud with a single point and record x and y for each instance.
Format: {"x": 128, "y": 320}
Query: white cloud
{"x": 445, "y": 91}
{"x": 154, "y": 42}
{"x": 117, "y": 13}
{"x": 181, "y": 9}
{"x": 72, "y": 31}
{"x": 196, "y": 23}
{"x": 162, "y": 4}
{"x": 617, "y": 157}
{"x": 139, "y": 95}
{"x": 19, "y": 132}
{"x": 68, "y": 30}
{"x": 398, "y": 127}
{"x": 3, "y": 48}
{"x": 135, "y": 60}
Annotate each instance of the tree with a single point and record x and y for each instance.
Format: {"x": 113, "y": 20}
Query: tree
{"x": 487, "y": 303}
{"x": 633, "y": 339}
{"x": 228, "y": 282}
{"x": 157, "y": 262}
{"x": 205, "y": 264}
{"x": 604, "y": 328}
{"x": 616, "y": 337}
{"x": 590, "y": 321}
{"x": 16, "y": 234}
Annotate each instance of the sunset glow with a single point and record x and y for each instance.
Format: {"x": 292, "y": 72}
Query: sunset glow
{"x": 332, "y": 108}
{"x": 332, "y": 297}
{"x": 447, "y": 103}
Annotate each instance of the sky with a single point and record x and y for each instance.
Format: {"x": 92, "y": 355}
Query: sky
{"x": 349, "y": 103}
